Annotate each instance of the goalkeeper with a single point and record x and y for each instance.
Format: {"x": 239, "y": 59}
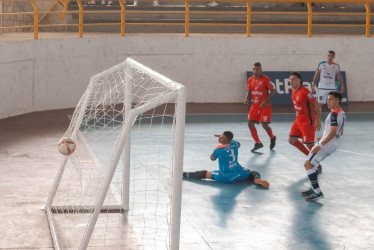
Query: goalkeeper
{"x": 229, "y": 168}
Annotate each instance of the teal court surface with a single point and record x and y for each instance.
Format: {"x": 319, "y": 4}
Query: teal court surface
{"x": 214, "y": 216}
{"x": 245, "y": 216}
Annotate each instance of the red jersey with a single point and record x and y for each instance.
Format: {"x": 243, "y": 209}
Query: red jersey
{"x": 259, "y": 88}
{"x": 303, "y": 103}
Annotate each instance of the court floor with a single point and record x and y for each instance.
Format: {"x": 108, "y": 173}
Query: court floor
{"x": 244, "y": 216}
{"x": 214, "y": 215}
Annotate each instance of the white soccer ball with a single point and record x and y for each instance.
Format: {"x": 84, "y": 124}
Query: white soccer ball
{"x": 66, "y": 146}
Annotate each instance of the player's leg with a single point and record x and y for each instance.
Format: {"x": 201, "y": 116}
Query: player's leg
{"x": 309, "y": 135}
{"x": 322, "y": 96}
{"x": 197, "y": 175}
{"x": 253, "y": 118}
{"x": 293, "y": 139}
{"x": 310, "y": 145}
{"x": 315, "y": 193}
{"x": 265, "y": 118}
{"x": 256, "y": 178}
{"x": 310, "y": 165}
{"x": 269, "y": 131}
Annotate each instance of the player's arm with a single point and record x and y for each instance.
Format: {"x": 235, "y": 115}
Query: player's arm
{"x": 315, "y": 77}
{"x": 213, "y": 156}
{"x": 317, "y": 108}
{"x": 267, "y": 100}
{"x": 329, "y": 137}
{"x": 246, "y": 101}
{"x": 340, "y": 79}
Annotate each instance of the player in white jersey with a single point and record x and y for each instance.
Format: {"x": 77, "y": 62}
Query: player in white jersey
{"x": 334, "y": 125}
{"x": 327, "y": 71}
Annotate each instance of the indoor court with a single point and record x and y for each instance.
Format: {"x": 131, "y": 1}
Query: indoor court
{"x": 214, "y": 215}
{"x": 141, "y": 89}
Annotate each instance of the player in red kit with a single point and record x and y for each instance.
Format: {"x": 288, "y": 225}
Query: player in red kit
{"x": 307, "y": 118}
{"x": 261, "y": 89}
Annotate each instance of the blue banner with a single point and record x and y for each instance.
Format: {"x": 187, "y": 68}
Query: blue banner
{"x": 283, "y": 88}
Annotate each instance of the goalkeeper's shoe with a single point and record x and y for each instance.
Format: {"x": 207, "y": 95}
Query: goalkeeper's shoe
{"x": 257, "y": 146}
{"x": 314, "y": 196}
{"x": 319, "y": 169}
{"x": 272, "y": 142}
{"x": 307, "y": 192}
{"x": 263, "y": 183}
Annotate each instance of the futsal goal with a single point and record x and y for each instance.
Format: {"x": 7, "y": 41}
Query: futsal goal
{"x": 121, "y": 188}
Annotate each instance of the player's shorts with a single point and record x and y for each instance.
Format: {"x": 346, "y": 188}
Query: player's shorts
{"x": 316, "y": 159}
{"x": 304, "y": 131}
{"x": 322, "y": 95}
{"x": 257, "y": 114}
{"x": 231, "y": 177}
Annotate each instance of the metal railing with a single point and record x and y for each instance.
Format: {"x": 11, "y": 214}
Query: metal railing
{"x": 185, "y": 9}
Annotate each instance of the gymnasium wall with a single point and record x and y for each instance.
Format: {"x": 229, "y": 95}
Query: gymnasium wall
{"x": 50, "y": 74}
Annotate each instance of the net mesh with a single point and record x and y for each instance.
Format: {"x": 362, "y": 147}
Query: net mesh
{"x": 97, "y": 128}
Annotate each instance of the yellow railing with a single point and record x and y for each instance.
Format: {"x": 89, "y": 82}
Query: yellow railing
{"x": 185, "y": 12}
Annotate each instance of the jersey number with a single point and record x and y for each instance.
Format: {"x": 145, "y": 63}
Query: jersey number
{"x": 232, "y": 155}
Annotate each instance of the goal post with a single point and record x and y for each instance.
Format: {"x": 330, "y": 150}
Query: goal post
{"x": 122, "y": 186}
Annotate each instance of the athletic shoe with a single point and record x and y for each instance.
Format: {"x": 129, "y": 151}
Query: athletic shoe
{"x": 135, "y": 3}
{"x": 263, "y": 183}
{"x": 319, "y": 169}
{"x": 257, "y": 146}
{"x": 314, "y": 196}
{"x": 92, "y": 2}
{"x": 272, "y": 142}
{"x": 110, "y": 2}
{"x": 155, "y": 3}
{"x": 307, "y": 192}
{"x": 212, "y": 4}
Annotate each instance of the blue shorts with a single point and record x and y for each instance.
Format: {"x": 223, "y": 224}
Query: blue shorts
{"x": 231, "y": 177}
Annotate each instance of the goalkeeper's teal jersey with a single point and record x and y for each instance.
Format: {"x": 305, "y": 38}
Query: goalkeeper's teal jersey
{"x": 229, "y": 168}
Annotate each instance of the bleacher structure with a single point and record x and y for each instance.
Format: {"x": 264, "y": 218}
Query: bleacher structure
{"x": 185, "y": 17}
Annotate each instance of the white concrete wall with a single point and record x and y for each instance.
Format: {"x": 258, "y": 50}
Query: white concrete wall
{"x": 49, "y": 74}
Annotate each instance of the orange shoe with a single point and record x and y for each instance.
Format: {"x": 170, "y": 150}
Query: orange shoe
{"x": 263, "y": 183}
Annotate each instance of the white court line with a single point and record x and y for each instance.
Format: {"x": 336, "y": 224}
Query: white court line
{"x": 351, "y": 152}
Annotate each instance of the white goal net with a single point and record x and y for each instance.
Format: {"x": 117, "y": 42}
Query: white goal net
{"x": 121, "y": 188}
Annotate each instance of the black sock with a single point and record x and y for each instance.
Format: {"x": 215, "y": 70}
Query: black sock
{"x": 253, "y": 175}
{"x": 312, "y": 175}
{"x": 198, "y": 175}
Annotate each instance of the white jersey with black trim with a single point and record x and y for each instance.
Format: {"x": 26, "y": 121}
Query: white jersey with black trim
{"x": 335, "y": 118}
{"x": 327, "y": 75}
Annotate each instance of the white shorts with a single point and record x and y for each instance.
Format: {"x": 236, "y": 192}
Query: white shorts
{"x": 327, "y": 150}
{"x": 322, "y": 95}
